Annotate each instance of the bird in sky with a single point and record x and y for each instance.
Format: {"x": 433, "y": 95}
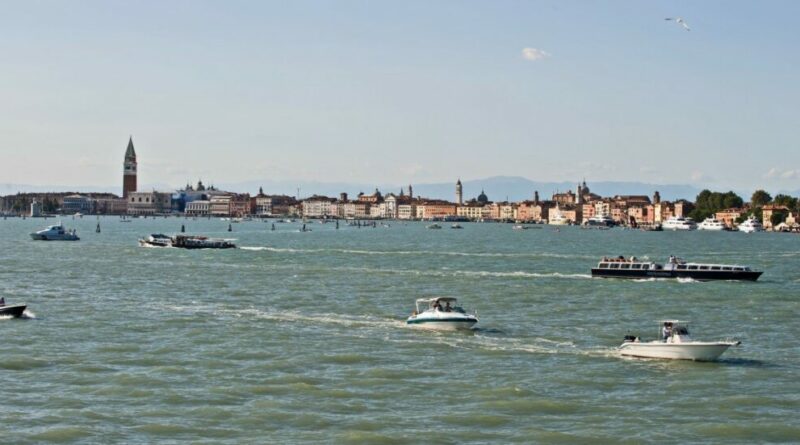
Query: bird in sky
{"x": 679, "y": 21}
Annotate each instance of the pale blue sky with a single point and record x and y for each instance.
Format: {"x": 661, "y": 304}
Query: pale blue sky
{"x": 399, "y": 92}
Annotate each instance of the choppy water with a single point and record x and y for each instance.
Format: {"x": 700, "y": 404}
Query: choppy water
{"x": 300, "y": 337}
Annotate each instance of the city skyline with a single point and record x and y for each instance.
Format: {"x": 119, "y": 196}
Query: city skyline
{"x": 392, "y": 94}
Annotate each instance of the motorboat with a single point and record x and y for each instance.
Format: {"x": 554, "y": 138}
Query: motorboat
{"x": 620, "y": 267}
{"x": 11, "y": 310}
{"x": 519, "y": 227}
{"x": 156, "y": 240}
{"x": 675, "y": 343}
{"x": 441, "y": 313}
{"x": 55, "y": 233}
{"x": 601, "y": 221}
{"x": 712, "y": 224}
{"x": 557, "y": 218}
{"x": 751, "y": 225}
{"x": 679, "y": 223}
{"x": 434, "y": 226}
{"x": 456, "y": 226}
{"x": 186, "y": 242}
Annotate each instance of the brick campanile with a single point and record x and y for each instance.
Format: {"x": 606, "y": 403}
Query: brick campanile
{"x": 129, "y": 170}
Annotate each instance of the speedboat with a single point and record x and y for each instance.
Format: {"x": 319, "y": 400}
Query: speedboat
{"x": 55, "y": 233}
{"x": 156, "y": 240}
{"x": 519, "y": 227}
{"x": 620, "y": 267}
{"x": 679, "y": 223}
{"x": 434, "y": 226}
{"x": 675, "y": 343}
{"x": 751, "y": 225}
{"x": 456, "y": 226}
{"x": 441, "y": 313}
{"x": 712, "y": 225}
{"x": 12, "y": 310}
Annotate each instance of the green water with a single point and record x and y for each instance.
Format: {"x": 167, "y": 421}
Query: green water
{"x": 300, "y": 337}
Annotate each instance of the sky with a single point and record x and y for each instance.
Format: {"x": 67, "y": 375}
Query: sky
{"x": 401, "y": 92}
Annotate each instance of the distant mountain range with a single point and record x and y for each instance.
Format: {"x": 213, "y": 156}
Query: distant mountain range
{"x": 497, "y": 188}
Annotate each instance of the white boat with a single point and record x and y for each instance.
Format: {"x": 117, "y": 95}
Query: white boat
{"x": 676, "y": 344}
{"x": 519, "y": 227}
{"x": 711, "y": 224}
{"x": 679, "y": 223}
{"x": 55, "y": 233}
{"x": 456, "y": 226}
{"x": 751, "y": 225}
{"x": 441, "y": 313}
{"x": 556, "y": 218}
{"x": 434, "y": 226}
{"x": 156, "y": 240}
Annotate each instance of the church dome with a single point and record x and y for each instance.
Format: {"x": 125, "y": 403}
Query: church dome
{"x": 483, "y": 198}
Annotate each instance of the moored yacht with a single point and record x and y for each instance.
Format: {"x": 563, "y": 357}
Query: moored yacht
{"x": 751, "y": 225}
{"x": 557, "y": 218}
{"x": 675, "y": 268}
{"x": 600, "y": 220}
{"x": 711, "y": 224}
{"x": 55, "y": 233}
{"x": 679, "y": 223}
{"x": 441, "y": 313}
{"x": 675, "y": 343}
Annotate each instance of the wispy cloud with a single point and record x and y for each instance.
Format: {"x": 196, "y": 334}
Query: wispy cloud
{"x": 534, "y": 54}
{"x": 776, "y": 173}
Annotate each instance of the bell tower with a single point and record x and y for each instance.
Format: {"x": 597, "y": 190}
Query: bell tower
{"x": 459, "y": 193}
{"x": 129, "y": 170}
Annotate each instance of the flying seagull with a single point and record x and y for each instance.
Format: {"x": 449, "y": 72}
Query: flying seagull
{"x": 679, "y": 21}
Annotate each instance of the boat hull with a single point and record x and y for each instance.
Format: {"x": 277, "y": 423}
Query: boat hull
{"x": 15, "y": 311}
{"x": 443, "y": 324}
{"x": 675, "y": 351}
{"x": 41, "y": 237}
{"x": 700, "y": 275}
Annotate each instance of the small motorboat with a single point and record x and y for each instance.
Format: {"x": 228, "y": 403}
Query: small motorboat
{"x": 55, "y": 233}
{"x": 676, "y": 344}
{"x": 11, "y": 310}
{"x": 156, "y": 240}
{"x": 434, "y": 226}
{"x": 441, "y": 313}
{"x": 456, "y": 226}
{"x": 520, "y": 227}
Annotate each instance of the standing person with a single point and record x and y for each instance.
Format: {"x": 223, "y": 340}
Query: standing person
{"x": 666, "y": 331}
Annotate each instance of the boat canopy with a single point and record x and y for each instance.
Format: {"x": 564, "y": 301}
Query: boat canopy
{"x": 674, "y": 322}
{"x": 433, "y": 300}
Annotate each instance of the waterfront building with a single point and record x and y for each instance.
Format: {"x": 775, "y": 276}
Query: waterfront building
{"x": 77, "y": 204}
{"x": 407, "y": 210}
{"x": 240, "y": 204}
{"x": 729, "y": 216}
{"x": 149, "y": 203}
{"x": 129, "y": 170}
{"x": 770, "y": 209}
{"x": 317, "y": 206}
{"x": 434, "y": 208}
{"x": 533, "y": 211}
{"x": 111, "y": 206}
{"x": 472, "y": 210}
{"x": 201, "y": 207}
{"x": 220, "y": 205}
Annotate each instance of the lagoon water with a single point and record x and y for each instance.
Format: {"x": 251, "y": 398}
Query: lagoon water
{"x": 300, "y": 337}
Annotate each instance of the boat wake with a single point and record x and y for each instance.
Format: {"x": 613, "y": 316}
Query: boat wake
{"x": 417, "y": 252}
{"x": 469, "y": 273}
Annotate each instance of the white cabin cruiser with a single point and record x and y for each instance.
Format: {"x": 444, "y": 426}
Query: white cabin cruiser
{"x": 679, "y": 223}
{"x": 676, "y": 344}
{"x": 712, "y": 224}
{"x": 441, "y": 313}
{"x": 55, "y": 233}
{"x": 751, "y": 225}
{"x": 601, "y": 221}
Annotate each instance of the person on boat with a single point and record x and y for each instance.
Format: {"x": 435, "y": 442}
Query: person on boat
{"x": 447, "y": 307}
{"x": 666, "y": 331}
{"x": 2, "y": 301}
{"x": 437, "y": 306}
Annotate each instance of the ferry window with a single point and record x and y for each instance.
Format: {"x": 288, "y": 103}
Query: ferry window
{"x": 715, "y": 268}
{"x": 604, "y": 265}
{"x": 615, "y": 266}
{"x": 681, "y": 267}
{"x": 727, "y": 268}
{"x": 703, "y": 267}
{"x": 636, "y": 266}
{"x": 692, "y": 267}
{"x": 625, "y": 266}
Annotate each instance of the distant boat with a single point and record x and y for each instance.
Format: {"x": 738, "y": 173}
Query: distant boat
{"x": 12, "y": 310}
{"x": 456, "y": 226}
{"x": 434, "y": 226}
{"x": 679, "y": 223}
{"x": 520, "y": 227}
{"x": 441, "y": 313}
{"x": 676, "y": 343}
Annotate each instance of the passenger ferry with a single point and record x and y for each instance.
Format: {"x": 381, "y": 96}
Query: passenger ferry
{"x": 186, "y": 242}
{"x": 675, "y": 268}
{"x": 679, "y": 223}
